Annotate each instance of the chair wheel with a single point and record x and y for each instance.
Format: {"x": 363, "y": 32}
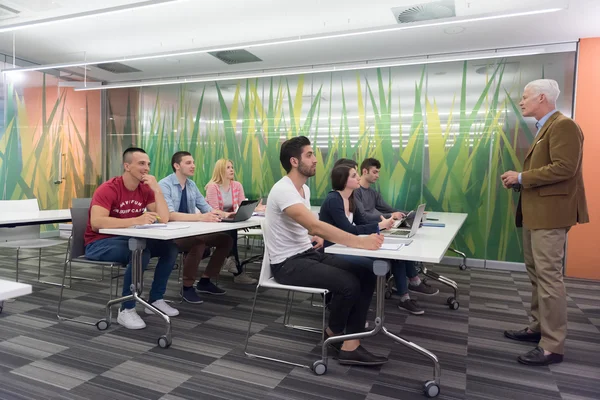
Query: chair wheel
{"x": 388, "y": 294}
{"x": 431, "y": 389}
{"x": 452, "y": 303}
{"x": 102, "y": 325}
{"x": 319, "y": 367}
{"x": 164, "y": 342}
{"x": 462, "y": 266}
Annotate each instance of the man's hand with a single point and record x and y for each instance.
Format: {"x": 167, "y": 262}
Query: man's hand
{"x": 318, "y": 242}
{"x": 146, "y": 218}
{"x": 386, "y": 223}
{"x": 371, "y": 242}
{"x": 212, "y": 216}
{"x": 151, "y": 182}
{"x": 509, "y": 178}
{"x": 398, "y": 215}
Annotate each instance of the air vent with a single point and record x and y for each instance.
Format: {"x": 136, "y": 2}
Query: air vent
{"x": 235, "y": 56}
{"x": 425, "y": 12}
{"x": 7, "y": 12}
{"x": 117, "y": 68}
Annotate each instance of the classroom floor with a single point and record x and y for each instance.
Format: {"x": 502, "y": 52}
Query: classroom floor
{"x": 42, "y": 358}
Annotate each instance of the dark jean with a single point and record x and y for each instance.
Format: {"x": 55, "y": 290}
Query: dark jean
{"x": 117, "y": 249}
{"x": 400, "y": 269}
{"x": 351, "y": 284}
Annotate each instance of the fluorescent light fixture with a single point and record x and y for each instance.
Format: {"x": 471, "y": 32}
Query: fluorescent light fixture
{"x": 330, "y": 68}
{"x": 86, "y": 14}
{"x": 293, "y": 40}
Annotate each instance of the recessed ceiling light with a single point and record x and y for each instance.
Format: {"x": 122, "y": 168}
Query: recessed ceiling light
{"x": 454, "y": 30}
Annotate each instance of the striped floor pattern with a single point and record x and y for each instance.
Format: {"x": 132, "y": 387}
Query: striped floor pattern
{"x": 42, "y": 358}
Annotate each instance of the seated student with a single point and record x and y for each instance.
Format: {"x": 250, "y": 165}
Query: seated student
{"x": 120, "y": 203}
{"x": 182, "y": 197}
{"x": 223, "y": 193}
{"x": 372, "y": 206}
{"x": 339, "y": 210}
{"x": 295, "y": 261}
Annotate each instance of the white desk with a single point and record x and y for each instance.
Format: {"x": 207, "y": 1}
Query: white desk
{"x": 428, "y": 245}
{"x": 193, "y": 229}
{"x": 34, "y": 218}
{"x": 137, "y": 243}
{"x": 9, "y": 290}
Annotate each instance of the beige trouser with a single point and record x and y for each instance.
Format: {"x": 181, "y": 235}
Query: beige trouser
{"x": 543, "y": 250}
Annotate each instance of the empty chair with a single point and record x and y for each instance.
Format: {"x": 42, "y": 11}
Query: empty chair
{"x": 24, "y": 237}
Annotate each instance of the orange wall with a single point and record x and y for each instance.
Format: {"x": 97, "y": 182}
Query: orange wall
{"x": 583, "y": 253}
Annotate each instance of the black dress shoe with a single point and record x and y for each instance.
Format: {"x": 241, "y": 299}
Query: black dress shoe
{"x": 360, "y": 356}
{"x": 536, "y": 357}
{"x": 524, "y": 336}
{"x": 335, "y": 346}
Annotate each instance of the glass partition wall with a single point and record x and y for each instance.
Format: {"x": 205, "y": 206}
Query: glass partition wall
{"x": 444, "y": 133}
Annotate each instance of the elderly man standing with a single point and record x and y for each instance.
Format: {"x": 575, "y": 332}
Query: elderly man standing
{"x": 552, "y": 201}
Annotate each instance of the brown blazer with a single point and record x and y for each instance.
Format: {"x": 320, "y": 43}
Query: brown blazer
{"x": 552, "y": 192}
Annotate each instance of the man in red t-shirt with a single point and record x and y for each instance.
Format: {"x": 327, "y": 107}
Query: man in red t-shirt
{"x": 120, "y": 203}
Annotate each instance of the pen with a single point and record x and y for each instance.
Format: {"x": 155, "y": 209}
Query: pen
{"x": 378, "y": 229}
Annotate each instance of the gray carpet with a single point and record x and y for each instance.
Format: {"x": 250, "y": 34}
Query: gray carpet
{"x": 42, "y": 358}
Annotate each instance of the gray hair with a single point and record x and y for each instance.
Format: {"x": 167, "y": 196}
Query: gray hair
{"x": 547, "y": 87}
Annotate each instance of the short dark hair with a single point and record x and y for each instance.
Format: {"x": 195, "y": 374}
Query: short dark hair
{"x": 339, "y": 178}
{"x": 176, "y": 159}
{"x": 129, "y": 151}
{"x": 346, "y": 161}
{"x": 368, "y": 163}
{"x": 292, "y": 148}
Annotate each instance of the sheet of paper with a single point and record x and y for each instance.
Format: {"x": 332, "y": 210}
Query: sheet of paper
{"x": 162, "y": 226}
{"x": 391, "y": 246}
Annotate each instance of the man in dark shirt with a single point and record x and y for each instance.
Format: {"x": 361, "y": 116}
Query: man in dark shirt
{"x": 371, "y": 206}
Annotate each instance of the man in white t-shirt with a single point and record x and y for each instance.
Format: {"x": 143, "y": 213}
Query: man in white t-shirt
{"x": 295, "y": 260}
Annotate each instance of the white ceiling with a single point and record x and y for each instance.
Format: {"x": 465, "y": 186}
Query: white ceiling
{"x": 196, "y": 24}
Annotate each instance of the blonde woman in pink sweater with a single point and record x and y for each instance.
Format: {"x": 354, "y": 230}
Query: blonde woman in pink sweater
{"x": 225, "y": 194}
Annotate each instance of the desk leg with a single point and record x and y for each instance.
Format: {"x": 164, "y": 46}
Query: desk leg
{"x": 381, "y": 268}
{"x": 137, "y": 247}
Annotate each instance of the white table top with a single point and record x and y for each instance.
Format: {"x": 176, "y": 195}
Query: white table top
{"x": 428, "y": 245}
{"x": 10, "y": 289}
{"x": 193, "y": 229}
{"x": 31, "y": 218}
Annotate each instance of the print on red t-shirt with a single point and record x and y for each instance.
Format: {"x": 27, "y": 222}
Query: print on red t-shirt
{"x": 121, "y": 203}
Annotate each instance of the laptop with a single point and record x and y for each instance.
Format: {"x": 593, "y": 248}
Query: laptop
{"x": 414, "y": 225}
{"x": 244, "y": 212}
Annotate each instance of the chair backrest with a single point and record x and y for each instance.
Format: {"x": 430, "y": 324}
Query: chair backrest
{"x": 85, "y": 202}
{"x": 79, "y": 218}
{"x": 265, "y": 269}
{"x": 19, "y": 232}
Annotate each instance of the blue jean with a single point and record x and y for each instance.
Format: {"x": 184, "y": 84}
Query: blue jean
{"x": 400, "y": 269}
{"x": 117, "y": 249}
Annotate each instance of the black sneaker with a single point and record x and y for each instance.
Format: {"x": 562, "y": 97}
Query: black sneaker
{"x": 209, "y": 288}
{"x": 360, "y": 356}
{"x": 411, "y": 306}
{"x": 189, "y": 295}
{"x": 423, "y": 288}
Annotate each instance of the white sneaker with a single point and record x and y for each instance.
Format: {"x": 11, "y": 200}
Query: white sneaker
{"x": 130, "y": 319}
{"x": 230, "y": 265}
{"x": 164, "y": 307}
{"x": 244, "y": 279}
